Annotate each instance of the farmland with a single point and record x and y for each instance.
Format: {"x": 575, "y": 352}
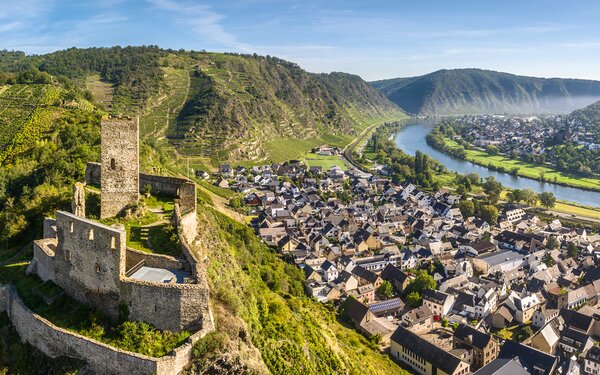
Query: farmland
{"x": 25, "y": 113}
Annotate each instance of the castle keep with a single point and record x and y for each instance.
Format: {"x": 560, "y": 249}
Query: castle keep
{"x": 119, "y": 162}
{"x": 92, "y": 263}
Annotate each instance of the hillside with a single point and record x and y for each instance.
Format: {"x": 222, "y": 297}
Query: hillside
{"x": 216, "y": 107}
{"x": 474, "y": 91}
{"x": 265, "y": 322}
{"x": 589, "y": 114}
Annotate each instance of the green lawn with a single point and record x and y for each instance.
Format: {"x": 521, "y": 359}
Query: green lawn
{"x": 152, "y": 233}
{"x": 314, "y": 160}
{"x": 527, "y": 169}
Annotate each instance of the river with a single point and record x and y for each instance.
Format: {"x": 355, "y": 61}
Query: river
{"x": 412, "y": 138}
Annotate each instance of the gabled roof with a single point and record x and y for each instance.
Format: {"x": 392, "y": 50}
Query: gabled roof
{"x": 365, "y": 274}
{"x": 431, "y": 353}
{"x": 355, "y": 310}
{"x": 477, "y": 338}
{"x": 529, "y": 357}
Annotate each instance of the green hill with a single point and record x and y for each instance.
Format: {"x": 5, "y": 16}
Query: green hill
{"x": 217, "y": 107}
{"x": 473, "y": 91}
{"x": 265, "y": 321}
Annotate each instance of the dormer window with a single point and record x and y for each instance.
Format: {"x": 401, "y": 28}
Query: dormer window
{"x": 113, "y": 164}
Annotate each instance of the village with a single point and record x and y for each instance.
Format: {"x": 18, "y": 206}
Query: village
{"x": 525, "y": 135}
{"x": 437, "y": 291}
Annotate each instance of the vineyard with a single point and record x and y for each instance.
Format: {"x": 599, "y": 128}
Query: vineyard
{"x": 26, "y": 112}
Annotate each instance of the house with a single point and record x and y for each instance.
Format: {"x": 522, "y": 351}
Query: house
{"x": 482, "y": 347}
{"x": 391, "y": 307}
{"x": 396, "y": 277}
{"x": 513, "y": 214}
{"x": 418, "y": 319}
{"x": 438, "y": 302}
{"x": 543, "y": 316}
{"x": 330, "y": 271}
{"x": 424, "y": 357}
{"x": 546, "y": 339}
{"x": 574, "y": 341}
{"x": 476, "y": 248}
{"x": 519, "y": 359}
{"x": 591, "y": 361}
{"x": 222, "y": 183}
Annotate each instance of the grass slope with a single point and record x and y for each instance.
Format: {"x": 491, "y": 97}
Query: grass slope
{"x": 294, "y": 334}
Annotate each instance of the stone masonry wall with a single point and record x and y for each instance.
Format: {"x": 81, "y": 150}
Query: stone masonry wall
{"x": 54, "y": 341}
{"x": 90, "y": 260}
{"x": 151, "y": 260}
{"x": 92, "y": 173}
{"x": 162, "y": 184}
{"x": 120, "y": 171}
{"x": 167, "y": 306}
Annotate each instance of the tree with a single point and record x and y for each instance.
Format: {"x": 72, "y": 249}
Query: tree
{"x": 413, "y": 299}
{"x": 489, "y": 213}
{"x": 385, "y": 290}
{"x": 552, "y": 243}
{"x": 515, "y": 196}
{"x": 421, "y": 283}
{"x": 529, "y": 196}
{"x": 547, "y": 199}
{"x": 571, "y": 250}
{"x": 492, "y": 189}
{"x": 492, "y": 150}
{"x": 467, "y": 208}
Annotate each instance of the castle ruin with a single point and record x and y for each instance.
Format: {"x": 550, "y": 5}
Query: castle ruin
{"x": 91, "y": 262}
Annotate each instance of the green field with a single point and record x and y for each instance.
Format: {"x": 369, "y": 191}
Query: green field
{"x": 527, "y": 169}
{"x": 314, "y": 160}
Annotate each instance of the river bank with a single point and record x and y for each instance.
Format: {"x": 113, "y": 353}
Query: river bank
{"x": 412, "y": 137}
{"x": 532, "y": 171}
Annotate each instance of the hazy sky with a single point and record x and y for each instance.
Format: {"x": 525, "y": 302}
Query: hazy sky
{"x": 375, "y": 39}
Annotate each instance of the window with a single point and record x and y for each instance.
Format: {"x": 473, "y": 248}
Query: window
{"x": 91, "y": 234}
{"x": 70, "y": 227}
{"x": 98, "y": 268}
{"x": 68, "y": 255}
{"x": 113, "y": 164}
{"x": 113, "y": 243}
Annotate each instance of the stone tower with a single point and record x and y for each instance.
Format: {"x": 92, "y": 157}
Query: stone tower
{"x": 120, "y": 168}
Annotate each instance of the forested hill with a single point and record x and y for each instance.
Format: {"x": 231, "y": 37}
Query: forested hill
{"x": 473, "y": 91}
{"x": 218, "y": 106}
{"x": 589, "y": 114}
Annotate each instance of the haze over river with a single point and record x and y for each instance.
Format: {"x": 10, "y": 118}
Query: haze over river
{"x": 412, "y": 138}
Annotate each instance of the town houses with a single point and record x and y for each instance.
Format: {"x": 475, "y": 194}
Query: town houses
{"x": 502, "y": 294}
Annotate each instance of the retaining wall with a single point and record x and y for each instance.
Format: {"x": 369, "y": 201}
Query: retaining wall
{"x": 54, "y": 341}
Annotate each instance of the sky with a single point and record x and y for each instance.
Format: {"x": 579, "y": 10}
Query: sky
{"x": 371, "y": 38}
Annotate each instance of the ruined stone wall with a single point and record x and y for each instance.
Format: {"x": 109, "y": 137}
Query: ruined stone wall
{"x": 151, "y": 260}
{"x": 49, "y": 229}
{"x": 90, "y": 260}
{"x": 43, "y": 258}
{"x": 120, "y": 171}
{"x": 92, "y": 173}
{"x": 187, "y": 197}
{"x": 54, "y": 341}
{"x": 167, "y": 306}
{"x": 162, "y": 184}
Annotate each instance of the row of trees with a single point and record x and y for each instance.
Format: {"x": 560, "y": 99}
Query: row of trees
{"x": 530, "y": 197}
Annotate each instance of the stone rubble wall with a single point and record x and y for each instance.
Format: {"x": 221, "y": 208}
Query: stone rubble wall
{"x": 54, "y": 341}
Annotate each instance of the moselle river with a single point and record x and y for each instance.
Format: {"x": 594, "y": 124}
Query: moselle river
{"x": 412, "y": 138}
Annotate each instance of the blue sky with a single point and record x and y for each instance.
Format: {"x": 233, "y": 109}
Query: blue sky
{"x": 375, "y": 39}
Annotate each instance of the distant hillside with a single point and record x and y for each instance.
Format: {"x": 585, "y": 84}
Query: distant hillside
{"x": 215, "y": 106}
{"x": 471, "y": 91}
{"x": 589, "y": 114}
